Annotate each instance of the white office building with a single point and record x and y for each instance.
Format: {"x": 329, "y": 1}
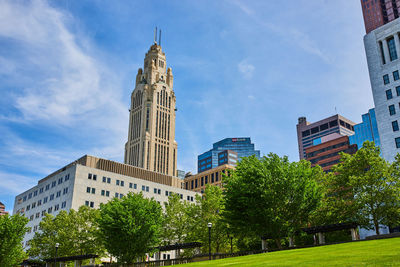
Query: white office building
{"x": 382, "y": 48}
{"x": 90, "y": 181}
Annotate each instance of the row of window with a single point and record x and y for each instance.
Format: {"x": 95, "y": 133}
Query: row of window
{"x": 42, "y": 189}
{"x": 214, "y": 177}
{"x": 49, "y": 210}
{"x": 386, "y": 79}
{"x": 45, "y": 199}
{"x": 108, "y": 181}
{"x": 92, "y": 190}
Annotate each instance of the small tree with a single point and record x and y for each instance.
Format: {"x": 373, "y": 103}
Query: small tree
{"x": 12, "y": 231}
{"x": 366, "y": 188}
{"x": 75, "y": 231}
{"x": 130, "y": 227}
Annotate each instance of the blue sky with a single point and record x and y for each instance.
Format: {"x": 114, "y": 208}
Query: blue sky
{"x": 241, "y": 68}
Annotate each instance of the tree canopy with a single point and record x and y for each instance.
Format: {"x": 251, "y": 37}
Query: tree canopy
{"x": 12, "y": 231}
{"x": 75, "y": 231}
{"x": 271, "y": 197}
{"x": 130, "y": 227}
{"x": 365, "y": 188}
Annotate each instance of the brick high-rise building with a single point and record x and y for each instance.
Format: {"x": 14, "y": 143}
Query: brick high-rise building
{"x": 308, "y": 132}
{"x": 379, "y": 12}
{"x": 3, "y": 209}
{"x": 326, "y": 152}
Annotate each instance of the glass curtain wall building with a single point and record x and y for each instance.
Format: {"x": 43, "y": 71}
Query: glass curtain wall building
{"x": 366, "y": 130}
{"x": 213, "y": 158}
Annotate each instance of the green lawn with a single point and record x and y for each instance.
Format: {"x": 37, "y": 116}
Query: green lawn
{"x": 385, "y": 252}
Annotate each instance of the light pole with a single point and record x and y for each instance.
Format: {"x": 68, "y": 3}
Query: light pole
{"x": 55, "y": 262}
{"x": 209, "y": 240}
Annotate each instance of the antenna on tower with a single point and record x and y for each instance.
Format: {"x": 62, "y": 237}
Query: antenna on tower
{"x": 159, "y": 38}
{"x": 155, "y": 35}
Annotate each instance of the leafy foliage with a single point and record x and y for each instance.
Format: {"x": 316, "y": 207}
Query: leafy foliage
{"x": 75, "y": 231}
{"x": 12, "y": 231}
{"x": 271, "y": 197}
{"x": 364, "y": 188}
{"x": 130, "y": 227}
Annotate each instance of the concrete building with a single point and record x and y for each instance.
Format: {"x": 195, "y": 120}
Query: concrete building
{"x": 3, "y": 209}
{"x": 90, "y": 181}
{"x": 307, "y": 132}
{"x": 198, "y": 182}
{"x": 151, "y": 137}
{"x": 226, "y": 151}
{"x": 382, "y": 47}
{"x": 379, "y": 12}
{"x": 326, "y": 149}
{"x": 366, "y": 130}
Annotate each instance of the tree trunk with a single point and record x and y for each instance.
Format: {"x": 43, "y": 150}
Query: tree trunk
{"x": 264, "y": 244}
{"x": 376, "y": 224}
{"x": 291, "y": 241}
{"x": 278, "y": 243}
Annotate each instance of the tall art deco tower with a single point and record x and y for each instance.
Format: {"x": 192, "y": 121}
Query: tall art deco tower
{"x": 151, "y": 138}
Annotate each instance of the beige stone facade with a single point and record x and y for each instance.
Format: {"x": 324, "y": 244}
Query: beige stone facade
{"x": 198, "y": 182}
{"x": 151, "y": 138}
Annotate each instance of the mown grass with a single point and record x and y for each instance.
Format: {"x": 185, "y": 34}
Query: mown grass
{"x": 384, "y": 252}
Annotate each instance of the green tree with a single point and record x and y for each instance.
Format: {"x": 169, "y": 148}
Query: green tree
{"x": 212, "y": 208}
{"x": 303, "y": 195}
{"x": 75, "y": 231}
{"x": 12, "y": 231}
{"x": 130, "y": 226}
{"x": 366, "y": 188}
{"x": 271, "y": 197}
{"x": 175, "y": 222}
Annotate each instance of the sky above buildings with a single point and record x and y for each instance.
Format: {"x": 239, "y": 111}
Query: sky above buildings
{"x": 241, "y": 68}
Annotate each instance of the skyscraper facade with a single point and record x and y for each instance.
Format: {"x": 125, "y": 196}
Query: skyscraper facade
{"x": 226, "y": 151}
{"x": 382, "y": 47}
{"x": 379, "y": 12}
{"x": 367, "y": 130}
{"x": 308, "y": 132}
{"x": 151, "y": 137}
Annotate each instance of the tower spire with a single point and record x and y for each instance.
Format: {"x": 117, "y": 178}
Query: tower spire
{"x": 155, "y": 35}
{"x": 159, "y": 38}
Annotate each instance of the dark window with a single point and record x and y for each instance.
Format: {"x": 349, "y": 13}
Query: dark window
{"x": 191, "y": 184}
{"x": 87, "y": 189}
{"x": 382, "y": 53}
{"x": 212, "y": 178}
{"x": 398, "y": 90}
{"x": 314, "y": 130}
{"x": 89, "y": 176}
{"x": 206, "y": 179}
{"x": 389, "y": 94}
{"x": 397, "y": 140}
{"x": 94, "y": 177}
{"x": 108, "y": 180}
{"x": 392, "y": 110}
{"x": 395, "y": 126}
{"x": 342, "y": 123}
{"x": 333, "y": 123}
{"x": 392, "y": 49}
{"x": 202, "y": 181}
{"x": 216, "y": 176}
{"x": 386, "y": 79}
{"x": 324, "y": 126}
{"x": 195, "y": 182}
{"x": 104, "y": 179}
{"x": 396, "y": 75}
{"x": 306, "y": 133}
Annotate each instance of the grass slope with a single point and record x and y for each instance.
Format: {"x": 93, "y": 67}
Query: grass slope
{"x": 385, "y": 252}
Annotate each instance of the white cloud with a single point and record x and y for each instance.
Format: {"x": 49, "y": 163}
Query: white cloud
{"x": 74, "y": 82}
{"x": 246, "y": 69}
